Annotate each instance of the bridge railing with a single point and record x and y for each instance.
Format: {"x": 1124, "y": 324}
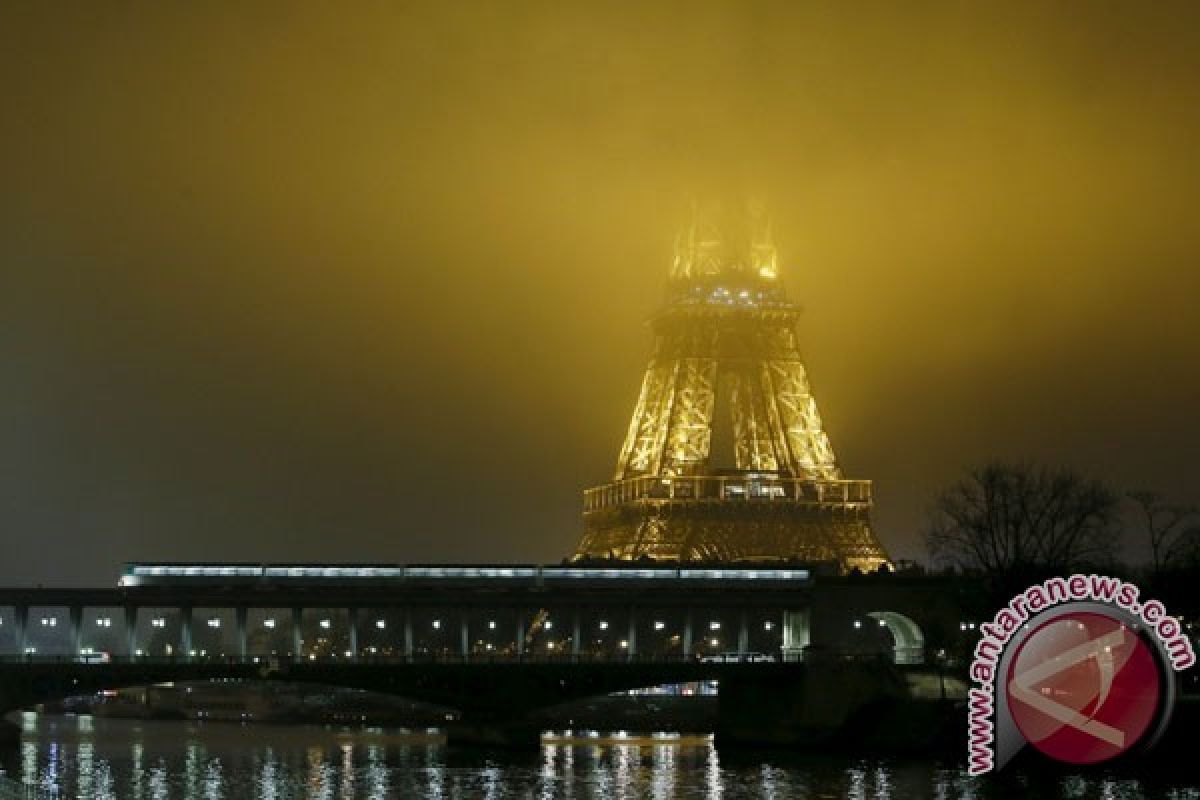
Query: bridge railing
{"x": 269, "y": 662}
{"x": 582, "y": 658}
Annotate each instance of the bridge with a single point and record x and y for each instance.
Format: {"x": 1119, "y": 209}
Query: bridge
{"x": 494, "y": 701}
{"x": 493, "y": 642}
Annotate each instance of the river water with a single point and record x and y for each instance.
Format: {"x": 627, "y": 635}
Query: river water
{"x": 91, "y": 758}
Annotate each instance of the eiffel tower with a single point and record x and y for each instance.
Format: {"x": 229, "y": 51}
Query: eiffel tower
{"x": 726, "y": 459}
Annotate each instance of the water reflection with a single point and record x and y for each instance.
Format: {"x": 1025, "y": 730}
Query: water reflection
{"x": 347, "y": 785}
{"x": 267, "y": 784}
{"x": 104, "y": 758}
{"x": 158, "y": 782}
{"x": 137, "y": 771}
{"x": 319, "y": 775}
{"x": 213, "y": 780}
{"x": 662, "y": 773}
{"x": 378, "y": 786}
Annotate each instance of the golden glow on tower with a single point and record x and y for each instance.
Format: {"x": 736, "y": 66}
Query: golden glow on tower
{"x": 726, "y": 349}
{"x": 716, "y": 243}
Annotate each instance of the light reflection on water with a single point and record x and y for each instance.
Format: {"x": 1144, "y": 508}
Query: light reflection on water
{"x": 140, "y": 760}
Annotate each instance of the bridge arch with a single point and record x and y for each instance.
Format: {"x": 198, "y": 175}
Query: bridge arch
{"x": 504, "y": 690}
{"x": 906, "y": 633}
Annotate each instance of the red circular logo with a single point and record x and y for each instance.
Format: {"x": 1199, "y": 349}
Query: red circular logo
{"x": 1083, "y": 688}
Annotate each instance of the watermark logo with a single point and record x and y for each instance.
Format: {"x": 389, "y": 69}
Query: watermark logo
{"x": 1083, "y": 688}
{"x": 1078, "y": 668}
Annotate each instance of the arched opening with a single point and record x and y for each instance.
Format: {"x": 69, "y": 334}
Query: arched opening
{"x": 909, "y": 642}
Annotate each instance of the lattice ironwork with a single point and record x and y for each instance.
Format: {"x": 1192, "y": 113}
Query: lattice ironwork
{"x": 728, "y": 329}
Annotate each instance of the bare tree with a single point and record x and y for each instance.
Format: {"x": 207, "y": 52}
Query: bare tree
{"x": 1013, "y": 520}
{"x": 1172, "y": 531}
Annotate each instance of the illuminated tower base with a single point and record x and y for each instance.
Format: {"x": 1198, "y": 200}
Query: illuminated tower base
{"x": 727, "y": 338}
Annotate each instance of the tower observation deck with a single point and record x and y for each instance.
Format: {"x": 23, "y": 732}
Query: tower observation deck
{"x": 726, "y": 458}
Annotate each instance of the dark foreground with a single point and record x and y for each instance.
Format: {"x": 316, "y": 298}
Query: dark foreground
{"x": 87, "y": 758}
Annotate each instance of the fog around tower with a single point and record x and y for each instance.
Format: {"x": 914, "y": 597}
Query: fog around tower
{"x": 285, "y": 283}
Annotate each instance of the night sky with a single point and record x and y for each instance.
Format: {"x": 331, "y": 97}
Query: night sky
{"x": 369, "y": 282}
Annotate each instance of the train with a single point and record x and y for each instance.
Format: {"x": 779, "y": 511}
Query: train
{"x": 135, "y": 574}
